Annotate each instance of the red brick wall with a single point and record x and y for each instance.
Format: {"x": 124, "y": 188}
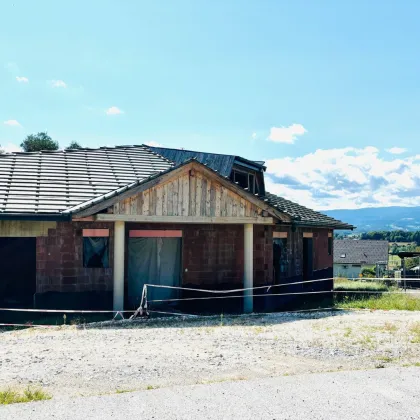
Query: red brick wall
{"x": 60, "y": 260}
{"x": 212, "y": 255}
{"x": 322, "y": 259}
{"x": 295, "y": 248}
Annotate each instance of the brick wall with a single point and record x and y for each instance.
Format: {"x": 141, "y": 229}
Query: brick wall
{"x": 212, "y": 255}
{"x": 60, "y": 260}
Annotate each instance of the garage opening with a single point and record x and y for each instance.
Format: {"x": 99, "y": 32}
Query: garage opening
{"x": 156, "y": 260}
{"x": 17, "y": 271}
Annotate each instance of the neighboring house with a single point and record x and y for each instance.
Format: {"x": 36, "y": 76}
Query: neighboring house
{"x": 351, "y": 256}
{"x": 88, "y": 228}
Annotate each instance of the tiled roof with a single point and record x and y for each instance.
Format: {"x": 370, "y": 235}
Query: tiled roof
{"x": 50, "y": 182}
{"x": 302, "y": 215}
{"x": 220, "y": 163}
{"x": 355, "y": 251}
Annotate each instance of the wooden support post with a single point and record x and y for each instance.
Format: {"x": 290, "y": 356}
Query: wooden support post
{"x": 248, "y": 267}
{"x": 119, "y": 239}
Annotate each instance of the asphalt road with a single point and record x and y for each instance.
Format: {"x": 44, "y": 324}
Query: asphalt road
{"x": 376, "y": 394}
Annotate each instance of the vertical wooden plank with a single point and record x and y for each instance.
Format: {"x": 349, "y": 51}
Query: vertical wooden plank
{"x": 235, "y": 199}
{"x": 185, "y": 194}
{"x": 180, "y": 196}
{"x": 159, "y": 206}
{"x": 139, "y": 203}
{"x": 203, "y": 196}
{"x": 218, "y": 199}
{"x": 133, "y": 205}
{"x": 248, "y": 209}
{"x": 208, "y": 198}
{"x": 117, "y": 208}
{"x": 242, "y": 207}
{"x": 175, "y": 197}
{"x": 198, "y": 183}
{"x": 224, "y": 195}
{"x": 146, "y": 203}
{"x": 229, "y": 204}
{"x": 170, "y": 199}
{"x": 213, "y": 199}
{"x": 193, "y": 181}
{"x": 165, "y": 200}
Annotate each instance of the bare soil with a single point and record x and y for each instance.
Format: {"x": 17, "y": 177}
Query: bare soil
{"x": 125, "y": 356}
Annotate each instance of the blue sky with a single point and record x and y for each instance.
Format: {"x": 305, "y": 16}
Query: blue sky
{"x": 319, "y": 89}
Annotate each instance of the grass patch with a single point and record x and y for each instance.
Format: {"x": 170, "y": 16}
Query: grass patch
{"x": 415, "y": 331}
{"x": 123, "y": 391}
{"x": 360, "y": 286}
{"x": 403, "y": 302}
{"x": 28, "y": 395}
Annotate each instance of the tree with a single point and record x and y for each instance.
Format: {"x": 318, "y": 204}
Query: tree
{"x": 73, "y": 145}
{"x": 38, "y": 142}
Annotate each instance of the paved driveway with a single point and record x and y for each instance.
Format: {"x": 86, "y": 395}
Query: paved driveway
{"x": 376, "y": 394}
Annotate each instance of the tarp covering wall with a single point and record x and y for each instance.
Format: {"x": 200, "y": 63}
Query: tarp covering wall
{"x": 153, "y": 261}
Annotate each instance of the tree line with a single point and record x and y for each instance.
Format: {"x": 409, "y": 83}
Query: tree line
{"x": 392, "y": 236}
{"x": 42, "y": 141}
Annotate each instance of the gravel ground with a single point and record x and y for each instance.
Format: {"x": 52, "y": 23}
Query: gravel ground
{"x": 70, "y": 361}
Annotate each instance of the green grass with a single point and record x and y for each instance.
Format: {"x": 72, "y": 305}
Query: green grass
{"x": 403, "y": 302}
{"x": 10, "y": 396}
{"x": 360, "y": 286}
{"x": 415, "y": 331}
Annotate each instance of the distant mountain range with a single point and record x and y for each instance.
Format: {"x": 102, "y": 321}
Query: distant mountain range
{"x": 380, "y": 218}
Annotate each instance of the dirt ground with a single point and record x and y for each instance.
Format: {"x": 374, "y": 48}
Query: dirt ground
{"x": 71, "y": 361}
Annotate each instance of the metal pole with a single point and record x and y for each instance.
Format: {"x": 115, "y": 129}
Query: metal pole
{"x": 248, "y": 267}
{"x": 403, "y": 266}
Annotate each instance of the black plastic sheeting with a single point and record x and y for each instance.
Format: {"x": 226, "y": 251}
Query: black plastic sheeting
{"x": 153, "y": 261}
{"x": 96, "y": 252}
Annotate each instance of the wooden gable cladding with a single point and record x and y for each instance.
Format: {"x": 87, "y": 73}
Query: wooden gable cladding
{"x": 191, "y": 193}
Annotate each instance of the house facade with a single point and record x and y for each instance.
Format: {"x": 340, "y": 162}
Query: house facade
{"x": 88, "y": 228}
{"x": 352, "y": 256}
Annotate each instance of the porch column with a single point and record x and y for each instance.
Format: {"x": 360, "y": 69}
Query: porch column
{"x": 248, "y": 266}
{"x": 119, "y": 239}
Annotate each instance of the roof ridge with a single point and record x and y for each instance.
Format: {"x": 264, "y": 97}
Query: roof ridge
{"x": 75, "y": 150}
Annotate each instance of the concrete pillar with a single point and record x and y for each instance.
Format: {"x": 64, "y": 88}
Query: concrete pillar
{"x": 248, "y": 266}
{"x": 119, "y": 240}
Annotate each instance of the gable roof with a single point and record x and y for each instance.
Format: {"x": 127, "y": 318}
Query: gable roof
{"x": 55, "y": 184}
{"x": 51, "y": 182}
{"x": 356, "y": 251}
{"x": 223, "y": 164}
{"x": 220, "y": 163}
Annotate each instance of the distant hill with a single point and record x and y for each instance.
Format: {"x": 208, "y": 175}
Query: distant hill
{"x": 380, "y": 218}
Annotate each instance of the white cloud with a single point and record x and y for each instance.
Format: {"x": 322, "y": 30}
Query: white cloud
{"x": 153, "y": 144}
{"x": 254, "y": 135}
{"x": 10, "y": 148}
{"x": 58, "y": 84}
{"x": 22, "y": 79}
{"x": 286, "y": 134}
{"x": 346, "y": 178}
{"x": 12, "y": 123}
{"x": 396, "y": 150}
{"x": 113, "y": 111}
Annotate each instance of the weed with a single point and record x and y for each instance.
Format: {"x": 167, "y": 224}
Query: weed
{"x": 348, "y": 332}
{"x": 415, "y": 331}
{"x": 11, "y": 396}
{"x": 123, "y": 391}
{"x": 150, "y": 387}
{"x": 384, "y": 302}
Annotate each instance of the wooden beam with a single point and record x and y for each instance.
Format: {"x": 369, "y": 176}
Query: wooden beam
{"x": 184, "y": 219}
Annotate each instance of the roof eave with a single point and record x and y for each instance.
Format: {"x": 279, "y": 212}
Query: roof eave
{"x": 44, "y": 217}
